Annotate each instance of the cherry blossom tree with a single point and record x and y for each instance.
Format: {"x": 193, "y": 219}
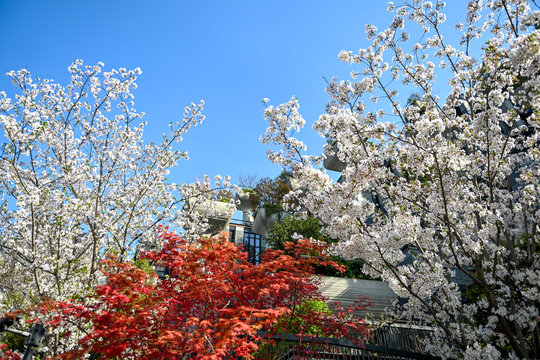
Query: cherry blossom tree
{"x": 437, "y": 189}
{"x": 77, "y": 181}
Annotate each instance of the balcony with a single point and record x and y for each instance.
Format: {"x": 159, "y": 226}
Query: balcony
{"x": 217, "y": 213}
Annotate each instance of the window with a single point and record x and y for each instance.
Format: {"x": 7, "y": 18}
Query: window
{"x": 254, "y": 245}
{"x": 232, "y": 233}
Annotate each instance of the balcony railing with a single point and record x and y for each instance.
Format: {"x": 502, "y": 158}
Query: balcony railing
{"x": 293, "y": 347}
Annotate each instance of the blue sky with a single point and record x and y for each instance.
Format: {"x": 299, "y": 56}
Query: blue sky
{"x": 229, "y": 53}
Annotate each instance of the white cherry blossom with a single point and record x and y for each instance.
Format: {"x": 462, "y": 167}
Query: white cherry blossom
{"x": 77, "y": 182}
{"x": 437, "y": 193}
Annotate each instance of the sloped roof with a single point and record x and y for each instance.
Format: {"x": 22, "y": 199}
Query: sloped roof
{"x": 347, "y": 291}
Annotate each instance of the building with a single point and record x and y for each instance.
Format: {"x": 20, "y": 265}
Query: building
{"x": 241, "y": 233}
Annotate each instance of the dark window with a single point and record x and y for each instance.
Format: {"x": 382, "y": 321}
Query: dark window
{"x": 254, "y": 245}
{"x": 232, "y": 233}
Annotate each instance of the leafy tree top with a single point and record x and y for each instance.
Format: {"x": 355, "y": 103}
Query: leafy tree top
{"x": 213, "y": 304}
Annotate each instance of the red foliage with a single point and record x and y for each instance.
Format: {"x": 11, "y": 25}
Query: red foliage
{"x": 212, "y": 305}
{"x": 6, "y": 354}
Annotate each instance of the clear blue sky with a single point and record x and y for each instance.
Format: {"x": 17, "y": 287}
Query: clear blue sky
{"x": 229, "y": 53}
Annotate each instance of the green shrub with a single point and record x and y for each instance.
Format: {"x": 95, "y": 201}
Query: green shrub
{"x": 283, "y": 231}
{"x": 353, "y": 269}
{"x": 295, "y": 323}
{"x": 310, "y": 227}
